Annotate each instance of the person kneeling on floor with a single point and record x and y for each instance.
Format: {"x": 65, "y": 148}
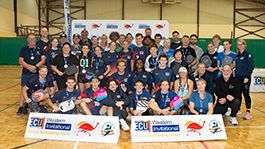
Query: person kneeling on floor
{"x": 227, "y": 90}
{"x": 37, "y": 92}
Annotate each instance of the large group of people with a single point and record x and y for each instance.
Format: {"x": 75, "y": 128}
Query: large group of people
{"x": 136, "y": 79}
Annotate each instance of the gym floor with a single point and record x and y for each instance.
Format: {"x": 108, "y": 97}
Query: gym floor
{"x": 248, "y": 134}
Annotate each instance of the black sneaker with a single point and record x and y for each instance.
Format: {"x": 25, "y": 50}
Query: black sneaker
{"x": 43, "y": 109}
{"x": 19, "y": 111}
{"x": 25, "y": 109}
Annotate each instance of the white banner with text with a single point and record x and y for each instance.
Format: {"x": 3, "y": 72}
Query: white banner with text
{"x": 258, "y": 80}
{"x": 177, "y": 128}
{"x": 103, "y": 129}
{"x": 100, "y": 27}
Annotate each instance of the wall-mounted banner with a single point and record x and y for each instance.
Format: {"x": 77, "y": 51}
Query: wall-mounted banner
{"x": 258, "y": 81}
{"x": 67, "y": 18}
{"x": 99, "y": 27}
{"x": 103, "y": 129}
{"x": 177, "y": 128}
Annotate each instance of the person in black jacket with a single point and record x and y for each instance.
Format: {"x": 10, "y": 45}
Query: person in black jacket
{"x": 227, "y": 90}
{"x": 119, "y": 101}
{"x": 244, "y": 69}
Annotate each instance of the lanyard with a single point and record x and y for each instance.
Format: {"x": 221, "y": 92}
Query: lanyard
{"x": 65, "y": 61}
{"x": 154, "y": 61}
{"x": 201, "y": 104}
{"x": 184, "y": 53}
{"x": 180, "y": 86}
{"x": 42, "y": 85}
{"x": 97, "y": 63}
{"x": 165, "y": 99}
{"x": 84, "y": 62}
{"x": 137, "y": 97}
{"x": 32, "y": 52}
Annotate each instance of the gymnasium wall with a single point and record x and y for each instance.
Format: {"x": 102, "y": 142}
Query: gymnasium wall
{"x": 9, "y": 49}
{"x": 27, "y": 14}
{"x": 216, "y": 16}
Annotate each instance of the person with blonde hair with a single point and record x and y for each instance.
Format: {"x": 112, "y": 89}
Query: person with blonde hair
{"x": 243, "y": 71}
{"x": 201, "y": 102}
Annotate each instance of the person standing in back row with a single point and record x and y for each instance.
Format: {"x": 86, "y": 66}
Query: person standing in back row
{"x": 31, "y": 57}
{"x": 243, "y": 71}
{"x": 61, "y": 62}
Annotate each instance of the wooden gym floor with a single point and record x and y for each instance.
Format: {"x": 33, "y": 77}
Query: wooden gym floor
{"x": 248, "y": 134}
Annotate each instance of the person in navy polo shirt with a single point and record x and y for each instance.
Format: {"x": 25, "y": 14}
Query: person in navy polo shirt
{"x": 99, "y": 65}
{"x": 67, "y": 98}
{"x": 61, "y": 62}
{"x": 30, "y": 57}
{"x": 140, "y": 51}
{"x": 110, "y": 57}
{"x": 36, "y": 83}
{"x": 90, "y": 105}
{"x": 126, "y": 54}
{"x": 160, "y": 101}
{"x": 122, "y": 75}
{"x": 212, "y": 70}
{"x": 244, "y": 69}
{"x": 84, "y": 38}
{"x": 162, "y": 72}
{"x": 139, "y": 100}
{"x": 76, "y": 47}
{"x": 44, "y": 41}
{"x": 139, "y": 73}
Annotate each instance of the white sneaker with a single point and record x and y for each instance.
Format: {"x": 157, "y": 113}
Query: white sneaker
{"x": 124, "y": 125}
{"x": 233, "y": 121}
{"x": 239, "y": 112}
{"x": 228, "y": 112}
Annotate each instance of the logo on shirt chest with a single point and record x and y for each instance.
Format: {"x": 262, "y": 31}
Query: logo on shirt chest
{"x": 38, "y": 53}
{"x": 167, "y": 74}
{"x": 231, "y": 86}
{"x": 118, "y": 96}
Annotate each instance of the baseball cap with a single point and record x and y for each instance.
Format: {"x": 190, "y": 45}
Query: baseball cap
{"x": 76, "y": 35}
{"x": 183, "y": 69}
{"x": 63, "y": 35}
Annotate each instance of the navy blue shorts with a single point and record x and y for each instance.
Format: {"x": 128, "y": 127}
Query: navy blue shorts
{"x": 26, "y": 78}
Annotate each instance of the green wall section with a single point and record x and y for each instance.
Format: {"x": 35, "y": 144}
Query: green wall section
{"x": 10, "y": 47}
{"x": 9, "y": 50}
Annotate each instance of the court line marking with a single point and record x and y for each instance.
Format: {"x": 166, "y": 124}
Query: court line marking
{"x": 76, "y": 145}
{"x": 9, "y": 87}
{"x": 8, "y": 106}
{"x": 258, "y": 110}
{"x": 258, "y": 127}
{"x": 204, "y": 145}
{"x": 28, "y": 144}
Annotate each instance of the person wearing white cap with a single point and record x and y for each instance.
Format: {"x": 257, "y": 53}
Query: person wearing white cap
{"x": 184, "y": 86}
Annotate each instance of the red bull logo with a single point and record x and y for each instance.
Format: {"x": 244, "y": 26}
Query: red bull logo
{"x": 96, "y": 26}
{"x": 84, "y": 127}
{"x": 128, "y": 26}
{"x": 160, "y": 26}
